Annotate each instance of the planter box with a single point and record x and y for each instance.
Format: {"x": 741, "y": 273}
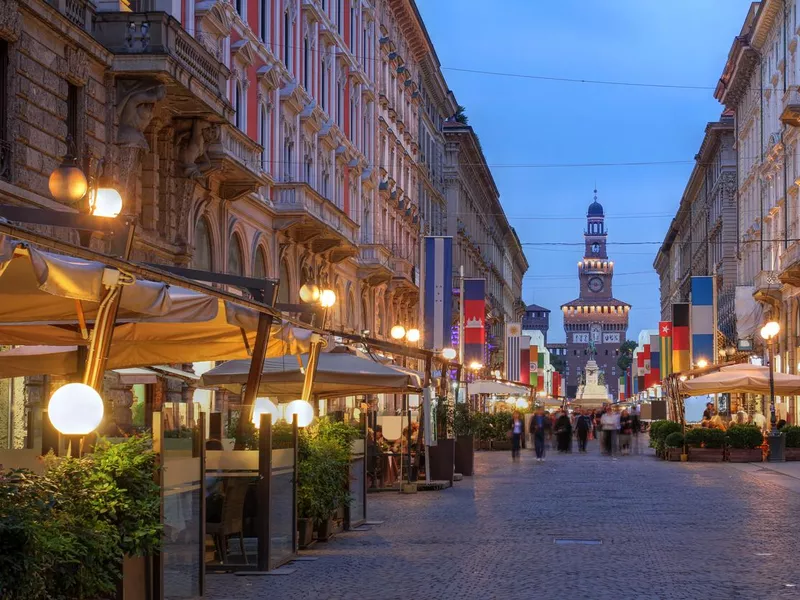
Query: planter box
{"x": 706, "y": 454}
{"x": 673, "y": 454}
{"x": 484, "y": 445}
{"x": 504, "y": 445}
{"x": 305, "y": 532}
{"x": 325, "y": 530}
{"x": 791, "y": 454}
{"x": 441, "y": 460}
{"x": 742, "y": 455}
{"x": 465, "y": 455}
{"x": 134, "y": 578}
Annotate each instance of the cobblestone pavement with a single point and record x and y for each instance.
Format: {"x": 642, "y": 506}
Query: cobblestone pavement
{"x": 668, "y": 530}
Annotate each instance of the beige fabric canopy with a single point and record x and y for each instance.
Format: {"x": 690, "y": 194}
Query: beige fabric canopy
{"x": 497, "y": 387}
{"x": 741, "y": 379}
{"x": 44, "y": 298}
{"x": 338, "y": 374}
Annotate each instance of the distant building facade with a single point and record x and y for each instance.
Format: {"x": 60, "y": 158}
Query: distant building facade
{"x": 537, "y": 318}
{"x": 595, "y": 322}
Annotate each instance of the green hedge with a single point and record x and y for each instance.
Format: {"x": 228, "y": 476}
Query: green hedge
{"x": 744, "y": 436}
{"x": 674, "y": 440}
{"x": 659, "y": 430}
{"x": 792, "y": 436}
{"x": 701, "y": 437}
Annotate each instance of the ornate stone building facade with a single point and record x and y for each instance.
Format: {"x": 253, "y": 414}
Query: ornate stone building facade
{"x": 483, "y": 241}
{"x": 296, "y": 140}
{"x": 595, "y": 323}
{"x": 701, "y": 239}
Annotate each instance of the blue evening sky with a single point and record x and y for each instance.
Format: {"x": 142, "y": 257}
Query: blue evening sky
{"x": 529, "y": 122}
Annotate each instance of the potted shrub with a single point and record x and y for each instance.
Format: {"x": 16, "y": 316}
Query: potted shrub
{"x": 441, "y": 457}
{"x": 501, "y": 425}
{"x": 323, "y": 472}
{"x": 482, "y": 424}
{"x": 464, "y": 427}
{"x": 705, "y": 445}
{"x": 744, "y": 443}
{"x": 792, "y": 451}
{"x": 673, "y": 446}
{"x": 659, "y": 431}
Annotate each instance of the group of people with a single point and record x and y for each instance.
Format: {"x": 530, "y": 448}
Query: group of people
{"x": 613, "y": 427}
{"x": 713, "y": 420}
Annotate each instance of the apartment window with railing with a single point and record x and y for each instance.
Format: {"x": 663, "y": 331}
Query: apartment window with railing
{"x": 5, "y": 146}
{"x": 238, "y": 105}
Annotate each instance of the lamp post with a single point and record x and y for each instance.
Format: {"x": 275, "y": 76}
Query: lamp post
{"x": 75, "y": 410}
{"x": 775, "y": 438}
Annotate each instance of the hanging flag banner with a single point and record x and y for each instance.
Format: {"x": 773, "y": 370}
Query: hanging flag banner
{"x": 512, "y": 350}
{"x": 540, "y": 372}
{"x": 681, "y": 361}
{"x": 474, "y": 320}
{"x": 703, "y": 320}
{"x": 665, "y": 349}
{"x": 647, "y": 362}
{"x": 438, "y": 310}
{"x": 628, "y": 383}
{"x": 640, "y": 370}
{"x": 621, "y": 388}
{"x": 557, "y": 384}
{"x": 655, "y": 360}
{"x": 534, "y": 369}
{"x": 525, "y": 359}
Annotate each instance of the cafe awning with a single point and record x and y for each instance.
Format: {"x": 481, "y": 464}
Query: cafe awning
{"x": 484, "y": 386}
{"x": 741, "y": 379}
{"x": 338, "y": 374}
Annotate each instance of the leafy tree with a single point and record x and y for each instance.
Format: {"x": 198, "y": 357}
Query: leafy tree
{"x": 461, "y": 115}
{"x": 626, "y": 354}
{"x": 558, "y": 363}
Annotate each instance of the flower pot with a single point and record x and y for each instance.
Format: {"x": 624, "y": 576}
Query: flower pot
{"x": 441, "y": 459}
{"x": 706, "y": 454}
{"x": 673, "y": 454}
{"x": 792, "y": 453}
{"x": 502, "y": 445}
{"x": 742, "y": 455}
{"x": 305, "y": 532}
{"x": 465, "y": 455}
{"x": 325, "y": 529}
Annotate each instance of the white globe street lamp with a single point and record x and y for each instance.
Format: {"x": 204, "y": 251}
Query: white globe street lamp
{"x": 303, "y": 410}
{"x": 263, "y": 406}
{"x": 75, "y": 409}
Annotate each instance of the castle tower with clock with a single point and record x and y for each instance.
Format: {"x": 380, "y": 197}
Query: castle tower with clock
{"x": 595, "y": 323}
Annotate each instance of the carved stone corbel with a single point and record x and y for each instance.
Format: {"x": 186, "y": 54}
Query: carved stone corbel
{"x": 77, "y": 66}
{"x": 10, "y": 20}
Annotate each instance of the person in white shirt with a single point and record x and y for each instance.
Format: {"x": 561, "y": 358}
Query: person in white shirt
{"x": 609, "y": 423}
{"x": 760, "y": 420}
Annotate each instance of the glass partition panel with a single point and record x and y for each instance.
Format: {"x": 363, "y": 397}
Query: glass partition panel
{"x": 231, "y": 508}
{"x": 182, "y": 553}
{"x": 357, "y": 513}
{"x": 281, "y": 509}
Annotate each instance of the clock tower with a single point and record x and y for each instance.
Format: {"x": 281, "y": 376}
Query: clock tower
{"x": 595, "y": 323}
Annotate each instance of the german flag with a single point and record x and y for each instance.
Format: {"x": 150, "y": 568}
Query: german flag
{"x": 681, "y": 358}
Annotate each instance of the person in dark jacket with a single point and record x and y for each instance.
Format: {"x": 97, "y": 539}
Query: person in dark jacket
{"x": 583, "y": 425}
{"x": 563, "y": 432}
{"x": 540, "y": 426}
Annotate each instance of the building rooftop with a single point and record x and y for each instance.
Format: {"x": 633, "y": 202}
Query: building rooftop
{"x": 536, "y": 307}
{"x": 595, "y": 302}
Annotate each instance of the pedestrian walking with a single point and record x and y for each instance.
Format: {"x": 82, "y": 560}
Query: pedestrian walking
{"x": 517, "y": 427}
{"x": 540, "y": 427}
{"x": 563, "y": 432}
{"x": 583, "y": 424}
{"x": 625, "y": 432}
{"x": 608, "y": 427}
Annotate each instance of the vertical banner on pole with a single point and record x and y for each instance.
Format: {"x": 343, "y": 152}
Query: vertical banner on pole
{"x": 474, "y": 320}
{"x": 525, "y": 359}
{"x": 703, "y": 320}
{"x": 681, "y": 360}
{"x": 512, "y": 351}
{"x": 655, "y": 360}
{"x": 665, "y": 348}
{"x": 647, "y": 367}
{"x": 533, "y": 366}
{"x": 540, "y": 371}
{"x": 438, "y": 291}
{"x": 621, "y": 388}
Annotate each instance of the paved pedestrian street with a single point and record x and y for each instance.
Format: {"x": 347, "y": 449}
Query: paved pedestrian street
{"x": 652, "y": 529}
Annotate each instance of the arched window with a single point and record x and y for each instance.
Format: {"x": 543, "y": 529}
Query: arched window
{"x": 351, "y": 311}
{"x": 260, "y": 264}
{"x": 285, "y": 283}
{"x": 203, "y": 251}
{"x": 235, "y": 262}
{"x": 365, "y": 315}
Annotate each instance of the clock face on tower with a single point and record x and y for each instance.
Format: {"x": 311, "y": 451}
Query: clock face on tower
{"x": 595, "y": 248}
{"x": 595, "y": 284}
{"x": 596, "y": 331}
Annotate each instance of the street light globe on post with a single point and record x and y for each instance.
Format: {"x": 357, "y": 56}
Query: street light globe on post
{"x": 770, "y": 330}
{"x": 327, "y": 298}
{"x": 68, "y": 183}
{"x": 75, "y": 409}
{"x": 303, "y": 410}
{"x": 107, "y": 202}
{"x": 702, "y": 363}
{"x": 264, "y": 406}
{"x": 398, "y": 332}
{"x": 449, "y": 353}
{"x": 413, "y": 335}
{"x": 309, "y": 293}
